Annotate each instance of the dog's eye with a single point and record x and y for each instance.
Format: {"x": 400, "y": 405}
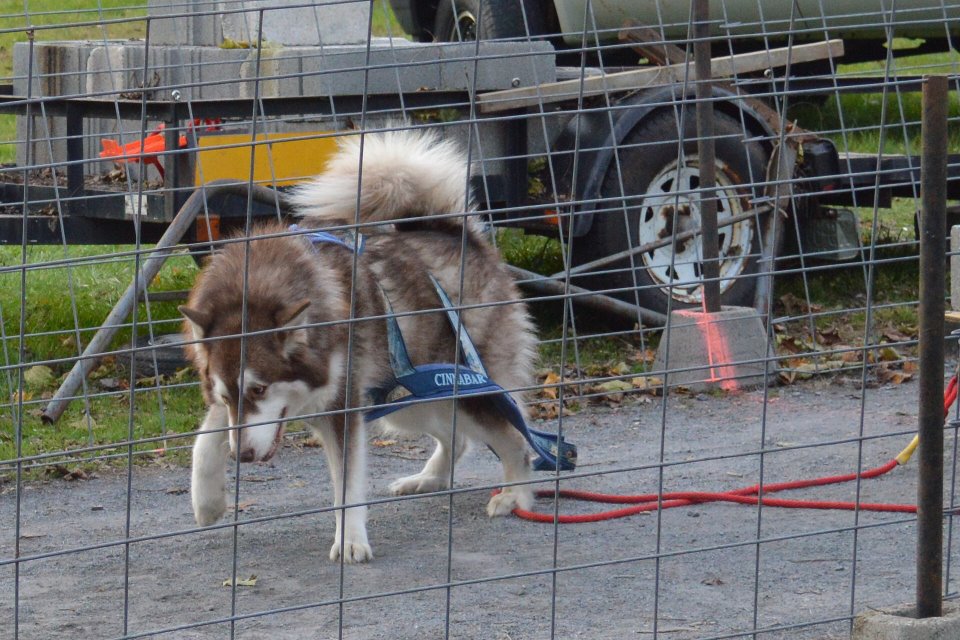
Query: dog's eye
{"x": 225, "y": 400}
{"x": 258, "y": 390}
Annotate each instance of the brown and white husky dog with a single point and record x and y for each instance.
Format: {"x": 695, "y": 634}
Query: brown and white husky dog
{"x": 315, "y": 338}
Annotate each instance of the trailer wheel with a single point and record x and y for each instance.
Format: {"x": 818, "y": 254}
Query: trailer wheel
{"x": 656, "y": 203}
{"x": 465, "y": 20}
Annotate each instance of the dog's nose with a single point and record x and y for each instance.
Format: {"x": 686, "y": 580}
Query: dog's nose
{"x": 247, "y": 455}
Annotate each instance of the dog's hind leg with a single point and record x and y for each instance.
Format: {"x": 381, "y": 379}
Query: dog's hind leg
{"x": 507, "y": 443}
{"x": 436, "y": 420}
{"x": 348, "y": 471}
{"x": 210, "y": 451}
{"x": 435, "y": 475}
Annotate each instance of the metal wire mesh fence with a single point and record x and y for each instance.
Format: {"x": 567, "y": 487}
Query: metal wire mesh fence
{"x": 517, "y": 212}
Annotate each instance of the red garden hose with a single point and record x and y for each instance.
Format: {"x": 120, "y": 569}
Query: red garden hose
{"x": 746, "y": 495}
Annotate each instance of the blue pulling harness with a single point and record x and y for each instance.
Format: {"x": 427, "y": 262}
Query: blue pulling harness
{"x": 413, "y": 384}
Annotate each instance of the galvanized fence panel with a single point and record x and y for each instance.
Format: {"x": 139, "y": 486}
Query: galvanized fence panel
{"x": 743, "y": 407}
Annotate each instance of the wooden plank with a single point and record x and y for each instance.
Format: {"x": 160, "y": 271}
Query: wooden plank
{"x": 723, "y": 67}
{"x": 649, "y": 43}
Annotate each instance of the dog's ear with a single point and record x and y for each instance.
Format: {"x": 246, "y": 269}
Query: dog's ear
{"x": 198, "y": 320}
{"x": 291, "y": 318}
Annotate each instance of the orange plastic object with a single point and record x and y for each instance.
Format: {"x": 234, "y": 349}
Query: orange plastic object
{"x": 145, "y": 150}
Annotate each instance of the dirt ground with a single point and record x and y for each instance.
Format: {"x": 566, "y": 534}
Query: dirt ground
{"x": 127, "y": 559}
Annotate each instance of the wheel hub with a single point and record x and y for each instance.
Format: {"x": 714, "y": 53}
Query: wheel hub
{"x": 671, "y": 207}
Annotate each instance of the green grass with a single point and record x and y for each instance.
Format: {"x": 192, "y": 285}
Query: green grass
{"x": 95, "y": 281}
{"x": 860, "y": 122}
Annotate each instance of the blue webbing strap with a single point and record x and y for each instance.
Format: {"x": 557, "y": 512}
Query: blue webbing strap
{"x": 438, "y": 381}
{"x": 347, "y": 239}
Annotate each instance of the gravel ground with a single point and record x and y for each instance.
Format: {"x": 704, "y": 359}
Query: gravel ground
{"x": 690, "y": 573}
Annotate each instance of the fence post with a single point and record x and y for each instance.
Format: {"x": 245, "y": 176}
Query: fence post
{"x": 933, "y": 184}
{"x": 706, "y": 153}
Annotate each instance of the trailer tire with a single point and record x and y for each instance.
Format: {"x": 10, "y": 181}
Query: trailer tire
{"x": 651, "y": 179}
{"x": 467, "y": 20}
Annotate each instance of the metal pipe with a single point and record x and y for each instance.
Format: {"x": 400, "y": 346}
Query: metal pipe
{"x": 537, "y": 284}
{"x": 706, "y": 154}
{"x": 151, "y": 266}
{"x": 933, "y": 199}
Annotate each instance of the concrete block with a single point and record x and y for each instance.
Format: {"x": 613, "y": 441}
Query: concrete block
{"x": 726, "y": 350}
{"x": 346, "y": 70}
{"x": 496, "y": 65}
{"x": 287, "y": 22}
{"x": 176, "y": 22}
{"x": 901, "y": 624}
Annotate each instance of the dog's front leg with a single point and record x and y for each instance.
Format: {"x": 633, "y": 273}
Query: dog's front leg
{"x": 210, "y": 453}
{"x": 344, "y": 442}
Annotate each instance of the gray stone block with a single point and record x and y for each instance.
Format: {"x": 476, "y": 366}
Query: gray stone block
{"x": 287, "y": 22}
{"x": 727, "y": 350}
{"x": 496, "y": 65}
{"x": 184, "y": 23}
{"x": 900, "y": 624}
{"x": 385, "y": 70}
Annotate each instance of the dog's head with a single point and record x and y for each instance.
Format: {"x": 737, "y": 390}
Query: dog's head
{"x": 261, "y": 371}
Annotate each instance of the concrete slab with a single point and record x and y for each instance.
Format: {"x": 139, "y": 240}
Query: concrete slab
{"x": 726, "y": 350}
{"x": 496, "y": 64}
{"x": 287, "y": 22}
{"x": 900, "y": 624}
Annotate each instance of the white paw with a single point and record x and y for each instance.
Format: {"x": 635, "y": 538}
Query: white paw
{"x": 418, "y": 483}
{"x": 209, "y": 506}
{"x": 353, "y": 552}
{"x": 509, "y": 499}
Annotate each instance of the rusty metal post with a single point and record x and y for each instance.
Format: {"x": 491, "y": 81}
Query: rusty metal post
{"x": 706, "y": 153}
{"x": 933, "y": 187}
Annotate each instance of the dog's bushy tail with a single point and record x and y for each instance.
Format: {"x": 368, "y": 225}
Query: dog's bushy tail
{"x": 407, "y": 176}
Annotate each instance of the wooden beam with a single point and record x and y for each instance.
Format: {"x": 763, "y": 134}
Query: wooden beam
{"x": 723, "y": 67}
{"x": 650, "y": 44}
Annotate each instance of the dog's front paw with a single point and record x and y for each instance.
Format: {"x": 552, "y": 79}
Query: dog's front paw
{"x": 209, "y": 506}
{"x": 503, "y": 503}
{"x": 418, "y": 483}
{"x": 353, "y": 552}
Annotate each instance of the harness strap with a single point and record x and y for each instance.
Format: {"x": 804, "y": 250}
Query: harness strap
{"x": 437, "y": 381}
{"x": 353, "y": 241}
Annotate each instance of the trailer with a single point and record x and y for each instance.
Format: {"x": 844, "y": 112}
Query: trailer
{"x": 602, "y": 160}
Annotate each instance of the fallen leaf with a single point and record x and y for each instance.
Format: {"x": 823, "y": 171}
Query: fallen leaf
{"x": 39, "y": 376}
{"x": 248, "y": 582}
{"x": 549, "y": 388}
{"x": 850, "y": 356}
{"x": 829, "y": 337}
{"x": 243, "y": 506}
{"x": 889, "y": 354}
{"x": 888, "y": 375}
{"x": 895, "y": 335}
{"x": 383, "y": 443}
{"x": 615, "y": 386}
{"x": 647, "y": 383}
